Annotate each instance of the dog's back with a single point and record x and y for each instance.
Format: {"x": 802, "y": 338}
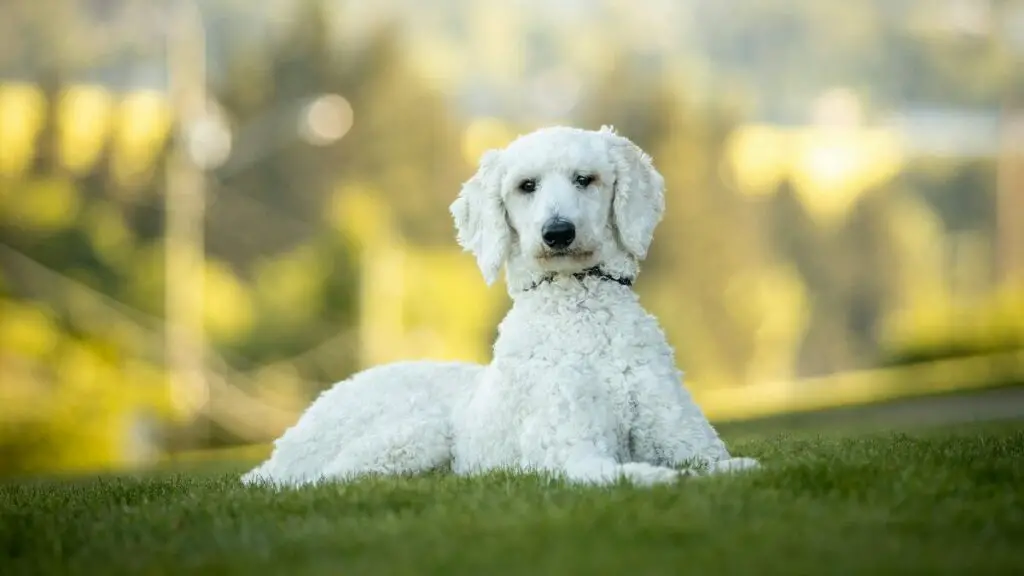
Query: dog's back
{"x": 390, "y": 419}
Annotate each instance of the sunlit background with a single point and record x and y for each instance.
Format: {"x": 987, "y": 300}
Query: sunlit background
{"x": 211, "y": 210}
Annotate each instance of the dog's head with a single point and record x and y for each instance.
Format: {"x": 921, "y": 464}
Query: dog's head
{"x": 560, "y": 200}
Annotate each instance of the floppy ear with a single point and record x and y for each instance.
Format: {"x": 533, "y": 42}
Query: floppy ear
{"x": 480, "y": 217}
{"x": 639, "y": 197}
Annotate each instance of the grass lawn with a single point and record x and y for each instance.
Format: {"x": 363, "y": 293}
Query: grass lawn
{"x": 947, "y": 501}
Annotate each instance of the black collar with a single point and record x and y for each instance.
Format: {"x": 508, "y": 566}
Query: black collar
{"x": 592, "y": 272}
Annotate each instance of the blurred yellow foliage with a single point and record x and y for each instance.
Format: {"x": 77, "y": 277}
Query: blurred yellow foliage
{"x": 81, "y": 370}
{"x": 759, "y": 155}
{"x": 142, "y": 124}
{"x": 146, "y": 283}
{"x": 228, "y": 308}
{"x": 22, "y": 109}
{"x": 414, "y": 302}
{"x": 105, "y": 225}
{"x": 289, "y": 285}
{"x": 354, "y": 210}
{"x": 282, "y": 386}
{"x": 75, "y": 401}
{"x": 936, "y": 322}
{"x": 136, "y": 123}
{"x": 778, "y": 298}
{"x": 448, "y": 304}
{"x": 439, "y": 60}
{"x": 495, "y": 40}
{"x": 832, "y": 167}
{"x": 829, "y": 167}
{"x": 918, "y": 231}
{"x": 84, "y": 115}
{"x": 27, "y": 330}
{"x": 45, "y": 204}
{"x": 483, "y": 134}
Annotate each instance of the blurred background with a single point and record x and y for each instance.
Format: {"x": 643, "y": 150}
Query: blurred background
{"x": 210, "y": 210}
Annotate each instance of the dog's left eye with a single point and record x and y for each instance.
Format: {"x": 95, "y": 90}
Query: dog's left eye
{"x": 583, "y": 180}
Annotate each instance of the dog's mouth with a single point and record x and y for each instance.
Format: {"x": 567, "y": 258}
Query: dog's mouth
{"x": 568, "y": 254}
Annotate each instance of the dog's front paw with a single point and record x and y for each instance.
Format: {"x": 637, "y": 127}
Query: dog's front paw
{"x": 733, "y": 465}
{"x": 646, "y": 475}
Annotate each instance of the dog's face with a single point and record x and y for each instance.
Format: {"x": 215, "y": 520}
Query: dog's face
{"x": 561, "y": 200}
{"x": 557, "y": 194}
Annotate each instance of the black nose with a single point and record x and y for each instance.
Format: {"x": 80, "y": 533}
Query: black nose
{"x": 558, "y": 233}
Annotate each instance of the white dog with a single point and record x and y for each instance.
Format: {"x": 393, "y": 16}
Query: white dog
{"x": 583, "y": 383}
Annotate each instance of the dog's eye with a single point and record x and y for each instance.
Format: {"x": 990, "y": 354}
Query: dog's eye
{"x": 529, "y": 185}
{"x": 583, "y": 180}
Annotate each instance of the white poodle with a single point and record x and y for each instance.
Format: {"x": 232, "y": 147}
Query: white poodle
{"x": 583, "y": 383}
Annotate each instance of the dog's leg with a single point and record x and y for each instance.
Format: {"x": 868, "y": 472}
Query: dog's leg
{"x": 588, "y": 465}
{"x": 604, "y": 471}
{"x": 670, "y": 429}
{"x": 390, "y": 419}
{"x": 408, "y": 448}
{"x": 421, "y": 441}
{"x": 571, "y": 432}
{"x": 731, "y": 465}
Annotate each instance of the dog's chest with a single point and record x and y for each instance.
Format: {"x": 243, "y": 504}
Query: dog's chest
{"x": 597, "y": 356}
{"x": 571, "y": 368}
{"x": 604, "y": 339}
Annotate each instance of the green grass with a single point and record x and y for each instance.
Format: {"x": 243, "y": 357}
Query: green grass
{"x": 938, "y": 502}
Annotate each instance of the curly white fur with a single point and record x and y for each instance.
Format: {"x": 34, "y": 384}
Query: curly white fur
{"x": 583, "y": 383}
